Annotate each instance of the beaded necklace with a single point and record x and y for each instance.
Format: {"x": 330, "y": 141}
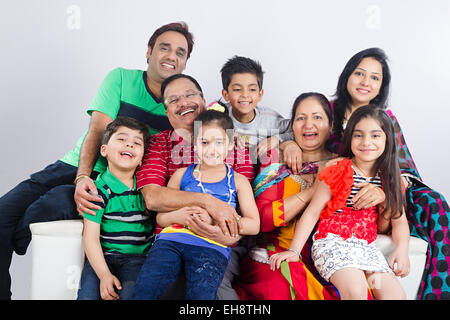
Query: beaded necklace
{"x": 229, "y": 176}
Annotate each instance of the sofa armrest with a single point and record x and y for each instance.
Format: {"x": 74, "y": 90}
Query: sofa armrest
{"x": 57, "y": 259}
{"x": 417, "y": 255}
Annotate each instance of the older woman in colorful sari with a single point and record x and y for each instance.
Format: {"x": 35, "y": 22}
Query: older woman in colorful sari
{"x": 281, "y": 197}
{"x": 365, "y": 79}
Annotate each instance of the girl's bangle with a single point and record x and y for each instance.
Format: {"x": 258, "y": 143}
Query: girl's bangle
{"x": 81, "y": 176}
{"x": 295, "y": 251}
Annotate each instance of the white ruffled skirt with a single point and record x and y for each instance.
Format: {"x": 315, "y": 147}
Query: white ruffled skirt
{"x": 332, "y": 253}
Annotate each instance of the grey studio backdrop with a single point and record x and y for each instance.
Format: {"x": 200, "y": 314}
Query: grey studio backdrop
{"x": 55, "y": 53}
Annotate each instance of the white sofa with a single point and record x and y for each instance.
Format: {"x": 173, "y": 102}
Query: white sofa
{"x": 417, "y": 257}
{"x": 58, "y": 257}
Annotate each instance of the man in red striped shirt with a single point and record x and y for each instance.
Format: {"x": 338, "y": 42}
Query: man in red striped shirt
{"x": 173, "y": 149}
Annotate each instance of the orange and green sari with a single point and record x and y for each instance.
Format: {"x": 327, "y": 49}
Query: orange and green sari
{"x": 294, "y": 280}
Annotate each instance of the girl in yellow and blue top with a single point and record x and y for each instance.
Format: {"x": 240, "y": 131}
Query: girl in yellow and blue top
{"x": 176, "y": 248}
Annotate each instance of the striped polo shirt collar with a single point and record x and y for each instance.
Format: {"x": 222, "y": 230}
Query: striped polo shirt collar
{"x": 114, "y": 183}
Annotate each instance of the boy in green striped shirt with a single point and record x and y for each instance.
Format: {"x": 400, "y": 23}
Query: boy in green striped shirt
{"x": 117, "y": 238}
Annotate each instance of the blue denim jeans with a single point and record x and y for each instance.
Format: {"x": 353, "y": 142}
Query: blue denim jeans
{"x": 46, "y": 196}
{"x": 204, "y": 269}
{"x": 125, "y": 267}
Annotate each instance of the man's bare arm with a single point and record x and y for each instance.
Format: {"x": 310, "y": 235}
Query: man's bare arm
{"x": 88, "y": 156}
{"x": 163, "y": 199}
{"x": 211, "y": 232}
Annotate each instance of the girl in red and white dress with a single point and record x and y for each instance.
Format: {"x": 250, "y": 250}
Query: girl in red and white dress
{"x": 344, "y": 250}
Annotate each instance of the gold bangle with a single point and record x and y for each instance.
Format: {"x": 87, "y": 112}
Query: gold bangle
{"x": 81, "y": 176}
{"x": 300, "y": 198}
{"x": 295, "y": 251}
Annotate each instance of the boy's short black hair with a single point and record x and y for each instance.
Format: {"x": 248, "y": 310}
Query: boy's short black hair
{"x": 127, "y": 122}
{"x": 239, "y": 64}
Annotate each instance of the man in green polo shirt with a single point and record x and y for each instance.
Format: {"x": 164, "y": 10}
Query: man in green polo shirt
{"x": 117, "y": 238}
{"x": 48, "y": 195}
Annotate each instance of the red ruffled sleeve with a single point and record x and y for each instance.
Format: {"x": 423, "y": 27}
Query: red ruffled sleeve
{"x": 339, "y": 178}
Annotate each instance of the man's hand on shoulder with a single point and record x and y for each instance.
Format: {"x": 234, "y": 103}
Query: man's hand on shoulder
{"x": 85, "y": 194}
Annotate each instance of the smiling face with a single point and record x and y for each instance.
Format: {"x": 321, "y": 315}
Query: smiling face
{"x": 368, "y": 141}
{"x": 168, "y": 56}
{"x": 124, "y": 149}
{"x": 243, "y": 94}
{"x": 310, "y": 125}
{"x": 183, "y": 102}
{"x": 212, "y": 144}
{"x": 364, "y": 83}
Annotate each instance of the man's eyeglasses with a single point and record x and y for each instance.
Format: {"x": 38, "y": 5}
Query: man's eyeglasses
{"x": 176, "y": 98}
